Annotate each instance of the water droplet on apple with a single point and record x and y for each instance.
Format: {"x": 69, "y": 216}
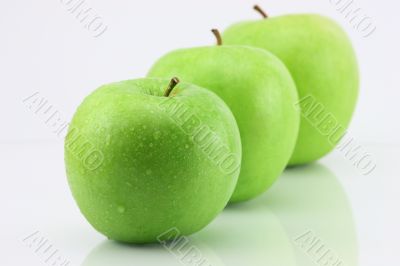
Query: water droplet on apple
{"x": 121, "y": 209}
{"x": 157, "y": 134}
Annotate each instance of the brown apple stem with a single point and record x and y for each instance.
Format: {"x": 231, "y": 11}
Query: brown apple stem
{"x": 217, "y": 36}
{"x": 172, "y": 84}
{"x": 261, "y": 11}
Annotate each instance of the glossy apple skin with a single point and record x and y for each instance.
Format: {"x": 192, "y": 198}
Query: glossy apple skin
{"x": 323, "y": 64}
{"x": 259, "y": 90}
{"x": 154, "y": 176}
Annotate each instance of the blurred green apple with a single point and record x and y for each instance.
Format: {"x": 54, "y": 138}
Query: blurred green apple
{"x": 321, "y": 59}
{"x": 170, "y": 159}
{"x": 258, "y": 88}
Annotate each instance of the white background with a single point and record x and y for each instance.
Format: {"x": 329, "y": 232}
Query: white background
{"x": 45, "y": 49}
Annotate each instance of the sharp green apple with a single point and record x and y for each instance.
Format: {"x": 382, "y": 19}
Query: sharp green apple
{"x": 170, "y": 158}
{"x": 323, "y": 64}
{"x": 259, "y": 90}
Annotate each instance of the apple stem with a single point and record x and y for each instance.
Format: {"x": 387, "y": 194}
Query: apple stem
{"x": 261, "y": 11}
{"x": 172, "y": 84}
{"x": 217, "y": 36}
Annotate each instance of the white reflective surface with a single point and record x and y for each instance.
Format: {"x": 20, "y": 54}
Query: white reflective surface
{"x": 327, "y": 203}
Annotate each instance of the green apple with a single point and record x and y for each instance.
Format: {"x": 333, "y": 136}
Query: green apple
{"x": 321, "y": 59}
{"x": 167, "y": 159}
{"x": 258, "y": 88}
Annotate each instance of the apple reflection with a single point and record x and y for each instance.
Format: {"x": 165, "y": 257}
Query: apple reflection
{"x": 264, "y": 231}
